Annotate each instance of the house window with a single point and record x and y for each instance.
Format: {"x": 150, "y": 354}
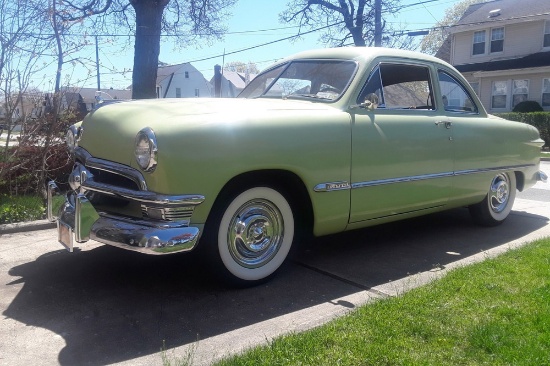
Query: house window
{"x": 497, "y": 39}
{"x": 499, "y": 95}
{"x": 546, "y": 92}
{"x": 479, "y": 43}
{"x": 187, "y": 74}
{"x": 547, "y": 34}
{"x": 197, "y": 93}
{"x": 178, "y": 92}
{"x": 520, "y": 91}
{"x": 475, "y": 86}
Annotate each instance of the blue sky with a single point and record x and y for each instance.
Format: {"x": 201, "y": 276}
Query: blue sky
{"x": 248, "y": 15}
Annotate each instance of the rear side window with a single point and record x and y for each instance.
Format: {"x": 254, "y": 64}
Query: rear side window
{"x": 399, "y": 86}
{"x": 454, "y": 95}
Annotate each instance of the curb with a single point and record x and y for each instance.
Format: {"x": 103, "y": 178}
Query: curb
{"x": 20, "y": 227}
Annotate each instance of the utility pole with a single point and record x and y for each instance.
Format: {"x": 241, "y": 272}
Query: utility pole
{"x": 378, "y": 23}
{"x": 97, "y": 64}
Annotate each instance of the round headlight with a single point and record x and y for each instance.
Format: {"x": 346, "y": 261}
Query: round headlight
{"x": 72, "y": 137}
{"x": 146, "y": 149}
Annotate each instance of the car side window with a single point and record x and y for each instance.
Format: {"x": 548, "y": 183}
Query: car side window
{"x": 454, "y": 95}
{"x": 399, "y": 86}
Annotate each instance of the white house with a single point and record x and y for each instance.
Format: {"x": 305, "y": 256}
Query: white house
{"x": 182, "y": 81}
{"x": 502, "y": 47}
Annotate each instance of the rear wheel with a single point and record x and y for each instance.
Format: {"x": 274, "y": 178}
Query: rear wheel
{"x": 496, "y": 206}
{"x": 254, "y": 235}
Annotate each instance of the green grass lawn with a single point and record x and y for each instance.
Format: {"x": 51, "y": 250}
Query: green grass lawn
{"x": 493, "y": 313}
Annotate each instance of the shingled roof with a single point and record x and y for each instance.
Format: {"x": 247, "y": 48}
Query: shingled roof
{"x": 539, "y": 59}
{"x": 504, "y": 10}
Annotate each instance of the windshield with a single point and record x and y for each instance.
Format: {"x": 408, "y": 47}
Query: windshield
{"x": 318, "y": 79}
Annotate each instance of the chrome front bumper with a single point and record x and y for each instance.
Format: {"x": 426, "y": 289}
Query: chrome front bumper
{"x": 78, "y": 221}
{"x": 542, "y": 177}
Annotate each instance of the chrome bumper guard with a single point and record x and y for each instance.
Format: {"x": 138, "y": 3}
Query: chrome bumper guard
{"x": 542, "y": 177}
{"x": 78, "y": 221}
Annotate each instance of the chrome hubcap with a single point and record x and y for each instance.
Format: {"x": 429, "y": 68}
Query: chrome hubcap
{"x": 255, "y": 233}
{"x": 500, "y": 193}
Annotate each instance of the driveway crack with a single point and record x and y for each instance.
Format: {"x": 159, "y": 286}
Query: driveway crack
{"x": 345, "y": 280}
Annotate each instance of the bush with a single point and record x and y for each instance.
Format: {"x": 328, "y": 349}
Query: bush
{"x": 528, "y": 106}
{"x": 40, "y": 155}
{"x": 22, "y": 208}
{"x": 20, "y": 174}
{"x": 540, "y": 120}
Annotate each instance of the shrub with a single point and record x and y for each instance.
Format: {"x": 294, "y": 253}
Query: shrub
{"x": 40, "y": 155}
{"x": 528, "y": 106}
{"x": 22, "y": 208}
{"x": 540, "y": 120}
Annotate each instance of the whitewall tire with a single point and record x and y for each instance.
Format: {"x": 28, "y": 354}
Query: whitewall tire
{"x": 496, "y": 206}
{"x": 255, "y": 234}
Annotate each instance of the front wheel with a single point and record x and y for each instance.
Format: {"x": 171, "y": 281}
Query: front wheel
{"x": 254, "y": 235}
{"x": 496, "y": 206}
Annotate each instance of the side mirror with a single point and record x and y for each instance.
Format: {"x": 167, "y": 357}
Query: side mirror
{"x": 370, "y": 103}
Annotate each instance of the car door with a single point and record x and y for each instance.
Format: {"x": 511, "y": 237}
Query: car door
{"x": 402, "y": 159}
{"x": 480, "y": 145}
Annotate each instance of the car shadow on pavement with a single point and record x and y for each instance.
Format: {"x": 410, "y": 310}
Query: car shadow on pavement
{"x": 111, "y": 305}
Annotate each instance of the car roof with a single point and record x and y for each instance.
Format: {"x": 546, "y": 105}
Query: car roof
{"x": 364, "y": 54}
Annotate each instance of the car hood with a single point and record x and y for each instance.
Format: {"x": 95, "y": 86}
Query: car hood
{"x": 109, "y": 132}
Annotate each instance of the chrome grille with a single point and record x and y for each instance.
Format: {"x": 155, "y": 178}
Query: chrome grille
{"x": 111, "y": 178}
{"x": 167, "y": 213}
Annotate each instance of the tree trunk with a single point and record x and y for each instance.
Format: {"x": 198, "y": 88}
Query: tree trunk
{"x": 147, "y": 47}
{"x": 357, "y": 34}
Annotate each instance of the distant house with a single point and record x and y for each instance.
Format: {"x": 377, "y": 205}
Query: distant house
{"x": 31, "y": 106}
{"x": 502, "y": 47}
{"x": 232, "y": 82}
{"x": 84, "y": 99}
{"x": 182, "y": 81}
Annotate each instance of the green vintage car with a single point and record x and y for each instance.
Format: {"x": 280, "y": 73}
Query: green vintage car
{"x": 321, "y": 142}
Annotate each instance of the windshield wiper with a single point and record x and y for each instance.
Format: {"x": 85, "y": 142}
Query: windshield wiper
{"x": 298, "y": 96}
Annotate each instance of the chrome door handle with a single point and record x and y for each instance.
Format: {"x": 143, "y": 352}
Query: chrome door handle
{"x": 446, "y": 123}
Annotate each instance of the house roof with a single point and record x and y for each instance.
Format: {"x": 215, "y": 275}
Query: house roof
{"x": 539, "y": 59}
{"x": 165, "y": 71}
{"x": 88, "y": 94}
{"x": 504, "y": 10}
{"x": 238, "y": 79}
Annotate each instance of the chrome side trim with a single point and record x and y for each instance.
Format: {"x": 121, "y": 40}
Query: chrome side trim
{"x": 343, "y": 185}
{"x": 143, "y": 196}
{"x": 400, "y": 180}
{"x": 485, "y": 170}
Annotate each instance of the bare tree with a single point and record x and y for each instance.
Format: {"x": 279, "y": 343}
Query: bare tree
{"x": 20, "y": 46}
{"x": 23, "y": 40}
{"x": 343, "y": 20}
{"x": 239, "y": 66}
{"x": 433, "y": 42}
{"x": 186, "y": 20}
